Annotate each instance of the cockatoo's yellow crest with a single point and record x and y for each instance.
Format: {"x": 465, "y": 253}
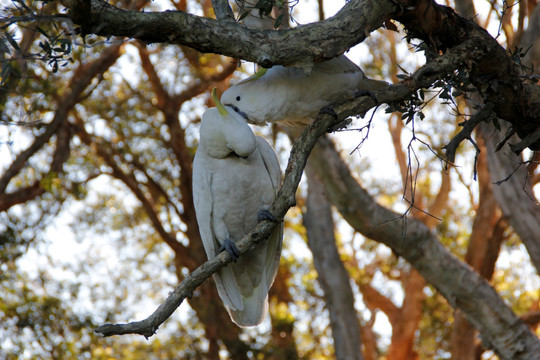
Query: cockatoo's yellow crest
{"x": 259, "y": 74}
{"x": 219, "y": 106}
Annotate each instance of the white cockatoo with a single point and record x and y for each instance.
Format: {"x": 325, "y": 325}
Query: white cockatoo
{"x": 236, "y": 176}
{"x": 294, "y": 97}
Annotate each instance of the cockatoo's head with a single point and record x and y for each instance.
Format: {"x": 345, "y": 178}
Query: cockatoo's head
{"x": 245, "y": 98}
{"x": 223, "y": 132}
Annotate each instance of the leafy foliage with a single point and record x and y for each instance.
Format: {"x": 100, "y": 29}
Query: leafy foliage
{"x": 124, "y": 189}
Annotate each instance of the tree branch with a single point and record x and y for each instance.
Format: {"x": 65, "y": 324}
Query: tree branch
{"x": 286, "y": 196}
{"x": 465, "y": 289}
{"x": 333, "y": 36}
{"x": 80, "y": 80}
{"x": 484, "y": 115}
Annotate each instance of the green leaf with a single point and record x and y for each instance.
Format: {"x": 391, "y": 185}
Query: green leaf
{"x": 7, "y": 67}
{"x": 45, "y": 46}
{"x": 278, "y": 21}
{"x": 243, "y": 15}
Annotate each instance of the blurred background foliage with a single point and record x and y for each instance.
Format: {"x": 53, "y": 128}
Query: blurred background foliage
{"x": 99, "y": 225}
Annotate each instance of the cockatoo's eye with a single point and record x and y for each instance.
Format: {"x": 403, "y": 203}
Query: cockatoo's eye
{"x": 238, "y": 98}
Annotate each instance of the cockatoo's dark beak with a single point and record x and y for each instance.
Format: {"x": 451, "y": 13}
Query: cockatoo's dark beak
{"x": 240, "y": 112}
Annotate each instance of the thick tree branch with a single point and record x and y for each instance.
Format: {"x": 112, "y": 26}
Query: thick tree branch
{"x": 81, "y": 79}
{"x": 332, "y": 37}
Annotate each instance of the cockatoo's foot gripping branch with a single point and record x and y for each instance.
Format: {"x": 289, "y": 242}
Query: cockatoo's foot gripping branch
{"x": 230, "y": 248}
{"x": 266, "y": 215}
{"x": 366, "y": 93}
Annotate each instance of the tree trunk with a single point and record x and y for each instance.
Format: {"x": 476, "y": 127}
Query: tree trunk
{"x": 482, "y": 253}
{"x": 333, "y": 276}
{"x": 514, "y": 195}
{"x": 409, "y": 316}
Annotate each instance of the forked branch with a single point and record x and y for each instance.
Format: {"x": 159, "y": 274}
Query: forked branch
{"x": 301, "y": 149}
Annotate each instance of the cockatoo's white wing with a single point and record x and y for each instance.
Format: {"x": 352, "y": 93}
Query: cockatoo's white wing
{"x": 340, "y": 64}
{"x": 202, "y": 199}
{"x": 229, "y": 191}
{"x": 271, "y": 162}
{"x": 204, "y": 205}
{"x": 255, "y": 271}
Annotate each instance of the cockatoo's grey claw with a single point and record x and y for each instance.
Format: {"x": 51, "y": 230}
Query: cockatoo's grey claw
{"x": 266, "y": 215}
{"x": 231, "y": 249}
{"x": 366, "y": 93}
{"x": 328, "y": 110}
{"x": 339, "y": 126}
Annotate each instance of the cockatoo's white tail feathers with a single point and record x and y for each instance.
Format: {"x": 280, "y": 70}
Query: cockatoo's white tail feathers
{"x": 273, "y": 254}
{"x": 228, "y": 289}
{"x": 255, "y": 308}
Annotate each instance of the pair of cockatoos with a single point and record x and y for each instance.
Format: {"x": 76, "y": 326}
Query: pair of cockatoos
{"x": 236, "y": 174}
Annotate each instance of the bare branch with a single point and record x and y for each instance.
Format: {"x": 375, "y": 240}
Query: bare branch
{"x": 81, "y": 79}
{"x": 232, "y": 39}
{"x": 286, "y": 196}
{"x": 34, "y": 18}
{"x": 484, "y": 115}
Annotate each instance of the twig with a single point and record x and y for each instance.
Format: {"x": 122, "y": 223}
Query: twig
{"x": 465, "y": 134}
{"x": 526, "y": 142}
{"x": 509, "y": 133}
